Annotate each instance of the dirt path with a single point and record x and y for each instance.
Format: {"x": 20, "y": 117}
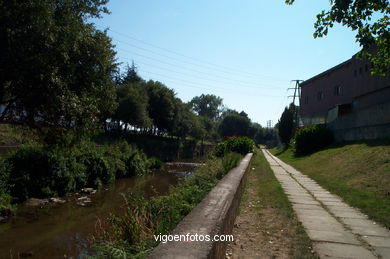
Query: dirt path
{"x": 266, "y": 226}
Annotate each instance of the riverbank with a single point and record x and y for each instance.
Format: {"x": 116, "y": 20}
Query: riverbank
{"x": 56, "y": 230}
{"x": 357, "y": 172}
{"x": 131, "y": 235}
{"x": 266, "y": 226}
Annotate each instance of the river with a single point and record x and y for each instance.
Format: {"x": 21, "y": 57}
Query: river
{"x": 65, "y": 230}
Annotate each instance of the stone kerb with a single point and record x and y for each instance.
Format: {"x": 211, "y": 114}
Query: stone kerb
{"x": 213, "y": 216}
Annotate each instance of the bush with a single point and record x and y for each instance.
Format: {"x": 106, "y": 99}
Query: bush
{"x": 241, "y": 145}
{"x": 132, "y": 233}
{"x": 312, "y": 138}
{"x": 97, "y": 169}
{"x": 39, "y": 171}
{"x": 5, "y": 197}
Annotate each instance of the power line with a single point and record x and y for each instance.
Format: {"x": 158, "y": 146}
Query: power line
{"x": 199, "y": 62}
{"x": 198, "y": 86}
{"x": 255, "y": 86}
{"x": 196, "y": 71}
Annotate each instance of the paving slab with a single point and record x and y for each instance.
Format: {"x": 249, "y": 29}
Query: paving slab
{"x": 337, "y": 250}
{"x": 337, "y": 229}
{"x": 365, "y": 227}
{"x": 384, "y": 252}
{"x": 332, "y": 237}
{"x": 377, "y": 241}
{"x": 306, "y": 207}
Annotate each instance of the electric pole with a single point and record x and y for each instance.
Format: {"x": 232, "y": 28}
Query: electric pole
{"x": 297, "y": 94}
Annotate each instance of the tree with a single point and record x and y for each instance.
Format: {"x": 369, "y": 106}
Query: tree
{"x": 286, "y": 124}
{"x": 234, "y": 125}
{"x": 207, "y": 105}
{"x": 55, "y": 68}
{"x": 370, "y": 18}
{"x": 132, "y": 106}
{"x": 131, "y": 75}
{"x": 161, "y": 105}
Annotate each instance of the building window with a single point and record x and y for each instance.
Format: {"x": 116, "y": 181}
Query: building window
{"x": 320, "y": 95}
{"x": 337, "y": 90}
{"x": 306, "y": 99}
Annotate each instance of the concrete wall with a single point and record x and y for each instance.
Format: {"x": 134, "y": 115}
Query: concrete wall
{"x": 369, "y": 123}
{"x": 215, "y": 215}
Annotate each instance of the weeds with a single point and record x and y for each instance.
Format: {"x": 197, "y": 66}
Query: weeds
{"x": 132, "y": 233}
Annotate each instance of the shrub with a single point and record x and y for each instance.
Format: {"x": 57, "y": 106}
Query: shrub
{"x": 241, "y": 145}
{"x": 36, "y": 171}
{"x": 128, "y": 160}
{"x": 97, "y": 169}
{"x": 312, "y": 138}
{"x": 132, "y": 233}
{"x": 5, "y": 197}
{"x": 30, "y": 171}
{"x": 40, "y": 171}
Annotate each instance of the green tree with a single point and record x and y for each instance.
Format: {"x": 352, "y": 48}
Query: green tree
{"x": 55, "y": 68}
{"x": 234, "y": 125}
{"x": 207, "y": 105}
{"x": 286, "y": 124}
{"x": 371, "y": 21}
{"x": 132, "y": 106}
{"x": 131, "y": 75}
{"x": 161, "y": 106}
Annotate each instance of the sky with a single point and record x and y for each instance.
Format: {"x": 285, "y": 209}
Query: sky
{"x": 244, "y": 51}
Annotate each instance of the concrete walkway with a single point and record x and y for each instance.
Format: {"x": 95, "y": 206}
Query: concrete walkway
{"x": 336, "y": 229}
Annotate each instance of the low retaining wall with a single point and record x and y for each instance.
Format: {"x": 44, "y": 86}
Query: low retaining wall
{"x": 215, "y": 215}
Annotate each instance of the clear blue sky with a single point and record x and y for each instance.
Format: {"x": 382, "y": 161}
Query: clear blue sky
{"x": 245, "y": 51}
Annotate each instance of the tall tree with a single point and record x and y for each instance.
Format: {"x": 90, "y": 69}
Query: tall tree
{"x": 286, "y": 124}
{"x": 207, "y": 105}
{"x": 55, "y": 68}
{"x": 234, "y": 124}
{"x": 161, "y": 106}
{"x": 371, "y": 21}
{"x": 132, "y": 106}
{"x": 131, "y": 75}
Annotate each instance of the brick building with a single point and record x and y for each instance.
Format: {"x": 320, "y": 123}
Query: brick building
{"x": 347, "y": 98}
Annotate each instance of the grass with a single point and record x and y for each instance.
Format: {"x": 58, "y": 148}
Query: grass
{"x": 358, "y": 172}
{"x": 271, "y": 194}
{"x": 131, "y": 235}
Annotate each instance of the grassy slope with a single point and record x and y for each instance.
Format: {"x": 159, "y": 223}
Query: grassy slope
{"x": 358, "y": 172}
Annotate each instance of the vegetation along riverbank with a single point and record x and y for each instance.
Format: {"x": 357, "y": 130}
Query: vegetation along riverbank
{"x": 131, "y": 235}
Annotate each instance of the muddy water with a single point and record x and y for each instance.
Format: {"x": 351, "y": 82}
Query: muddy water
{"x": 64, "y": 230}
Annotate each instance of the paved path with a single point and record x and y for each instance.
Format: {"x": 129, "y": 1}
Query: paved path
{"x": 336, "y": 229}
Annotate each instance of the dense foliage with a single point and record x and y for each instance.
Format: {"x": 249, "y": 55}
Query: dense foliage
{"x": 241, "y": 145}
{"x": 312, "y": 138}
{"x": 207, "y": 105}
{"x": 40, "y": 171}
{"x": 55, "y": 68}
{"x": 287, "y": 124}
{"x": 371, "y": 20}
{"x": 5, "y": 197}
{"x": 132, "y": 234}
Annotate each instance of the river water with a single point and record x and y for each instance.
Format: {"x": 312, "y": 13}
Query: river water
{"x": 65, "y": 230}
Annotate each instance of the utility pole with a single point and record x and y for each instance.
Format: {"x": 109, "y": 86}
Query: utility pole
{"x": 297, "y": 94}
{"x": 297, "y": 90}
{"x": 269, "y": 124}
